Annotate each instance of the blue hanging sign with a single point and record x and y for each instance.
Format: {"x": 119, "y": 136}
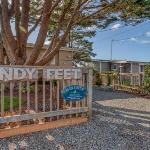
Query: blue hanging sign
{"x": 74, "y": 93}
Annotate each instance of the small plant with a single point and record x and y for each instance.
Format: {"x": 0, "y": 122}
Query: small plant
{"x": 24, "y": 89}
{"x": 147, "y": 78}
{"x": 98, "y": 81}
{"x": 127, "y": 82}
{"x": 7, "y": 103}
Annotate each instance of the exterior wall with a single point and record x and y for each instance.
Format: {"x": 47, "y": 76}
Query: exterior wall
{"x": 127, "y": 68}
{"x": 135, "y": 68}
{"x": 105, "y": 66}
{"x": 141, "y": 69}
{"x": 63, "y": 58}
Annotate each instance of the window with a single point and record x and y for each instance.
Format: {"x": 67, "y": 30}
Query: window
{"x": 141, "y": 68}
{"x": 114, "y": 67}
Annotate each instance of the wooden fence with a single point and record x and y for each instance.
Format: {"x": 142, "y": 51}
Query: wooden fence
{"x": 130, "y": 82}
{"x": 29, "y": 105}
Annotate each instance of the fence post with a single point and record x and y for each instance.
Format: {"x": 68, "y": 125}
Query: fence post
{"x": 90, "y": 78}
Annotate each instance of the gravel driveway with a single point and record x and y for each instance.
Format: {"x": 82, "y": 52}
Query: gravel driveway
{"x": 120, "y": 122}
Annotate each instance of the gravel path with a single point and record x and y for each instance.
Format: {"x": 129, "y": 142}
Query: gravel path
{"x": 120, "y": 122}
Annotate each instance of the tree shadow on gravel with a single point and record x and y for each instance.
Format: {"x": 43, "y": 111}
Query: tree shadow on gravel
{"x": 129, "y": 122}
{"x": 101, "y": 95}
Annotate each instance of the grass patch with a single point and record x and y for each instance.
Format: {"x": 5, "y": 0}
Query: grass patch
{"x": 7, "y": 103}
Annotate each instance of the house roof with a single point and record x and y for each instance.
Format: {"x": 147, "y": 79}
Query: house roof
{"x": 119, "y": 61}
{"x": 46, "y": 46}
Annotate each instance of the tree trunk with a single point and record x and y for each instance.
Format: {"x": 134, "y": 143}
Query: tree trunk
{"x": 41, "y": 35}
{"x": 1, "y": 51}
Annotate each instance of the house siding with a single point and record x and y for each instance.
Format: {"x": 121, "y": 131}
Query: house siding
{"x": 62, "y": 58}
{"x": 105, "y": 66}
{"x": 135, "y": 67}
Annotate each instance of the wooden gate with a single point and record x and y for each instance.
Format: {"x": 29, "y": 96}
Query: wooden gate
{"x": 31, "y": 98}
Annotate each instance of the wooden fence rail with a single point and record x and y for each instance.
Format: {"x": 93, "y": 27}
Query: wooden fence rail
{"x": 130, "y": 82}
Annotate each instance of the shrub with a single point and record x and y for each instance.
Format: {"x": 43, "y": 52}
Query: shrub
{"x": 98, "y": 81}
{"x": 147, "y": 78}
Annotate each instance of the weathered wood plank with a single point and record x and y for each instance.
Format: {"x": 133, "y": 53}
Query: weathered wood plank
{"x": 90, "y": 78}
{"x": 43, "y": 96}
{"x": 11, "y": 96}
{"x": 36, "y": 96}
{"x": 20, "y": 97}
{"x": 16, "y": 118}
{"x": 2, "y": 98}
{"x": 51, "y": 96}
{"x": 28, "y": 95}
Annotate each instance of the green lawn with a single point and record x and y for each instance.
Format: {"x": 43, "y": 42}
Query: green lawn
{"x": 7, "y": 103}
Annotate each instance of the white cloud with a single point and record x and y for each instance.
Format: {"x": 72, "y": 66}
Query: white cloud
{"x": 148, "y": 33}
{"x": 145, "y": 41}
{"x": 133, "y": 39}
{"x": 116, "y": 26}
{"x": 140, "y": 41}
{"x": 91, "y": 28}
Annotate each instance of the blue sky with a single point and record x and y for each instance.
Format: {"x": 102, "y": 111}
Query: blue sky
{"x": 137, "y": 47}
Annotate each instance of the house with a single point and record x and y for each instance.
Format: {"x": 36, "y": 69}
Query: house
{"x": 63, "y": 58}
{"x": 121, "y": 66}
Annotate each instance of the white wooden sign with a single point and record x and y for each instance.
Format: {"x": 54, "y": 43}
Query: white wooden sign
{"x": 31, "y": 73}
{"x": 62, "y": 74}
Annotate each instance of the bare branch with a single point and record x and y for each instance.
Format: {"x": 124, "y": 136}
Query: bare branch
{"x": 59, "y": 25}
{"x": 42, "y": 33}
{"x": 17, "y": 23}
{"x": 11, "y": 10}
{"x": 34, "y": 26}
{"x": 97, "y": 12}
{"x": 51, "y": 55}
{"x": 47, "y": 12}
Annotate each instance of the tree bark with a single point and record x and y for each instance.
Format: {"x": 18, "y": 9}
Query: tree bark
{"x": 59, "y": 25}
{"x": 6, "y": 24}
{"x": 24, "y": 25}
{"x": 42, "y": 34}
{"x": 1, "y": 51}
{"x": 17, "y": 24}
{"x": 7, "y": 35}
{"x": 53, "y": 52}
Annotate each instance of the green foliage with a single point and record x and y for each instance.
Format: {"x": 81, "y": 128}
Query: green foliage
{"x": 127, "y": 82}
{"x": 98, "y": 80}
{"x": 24, "y": 89}
{"x": 147, "y": 78}
{"x": 110, "y": 75}
{"x": 135, "y": 11}
{"x": 7, "y": 103}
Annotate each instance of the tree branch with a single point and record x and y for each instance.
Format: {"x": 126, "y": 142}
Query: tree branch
{"x": 7, "y": 33}
{"x": 43, "y": 31}
{"x": 17, "y": 24}
{"x": 52, "y": 53}
{"x": 59, "y": 25}
{"x": 34, "y": 26}
{"x": 24, "y": 25}
{"x": 96, "y": 12}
